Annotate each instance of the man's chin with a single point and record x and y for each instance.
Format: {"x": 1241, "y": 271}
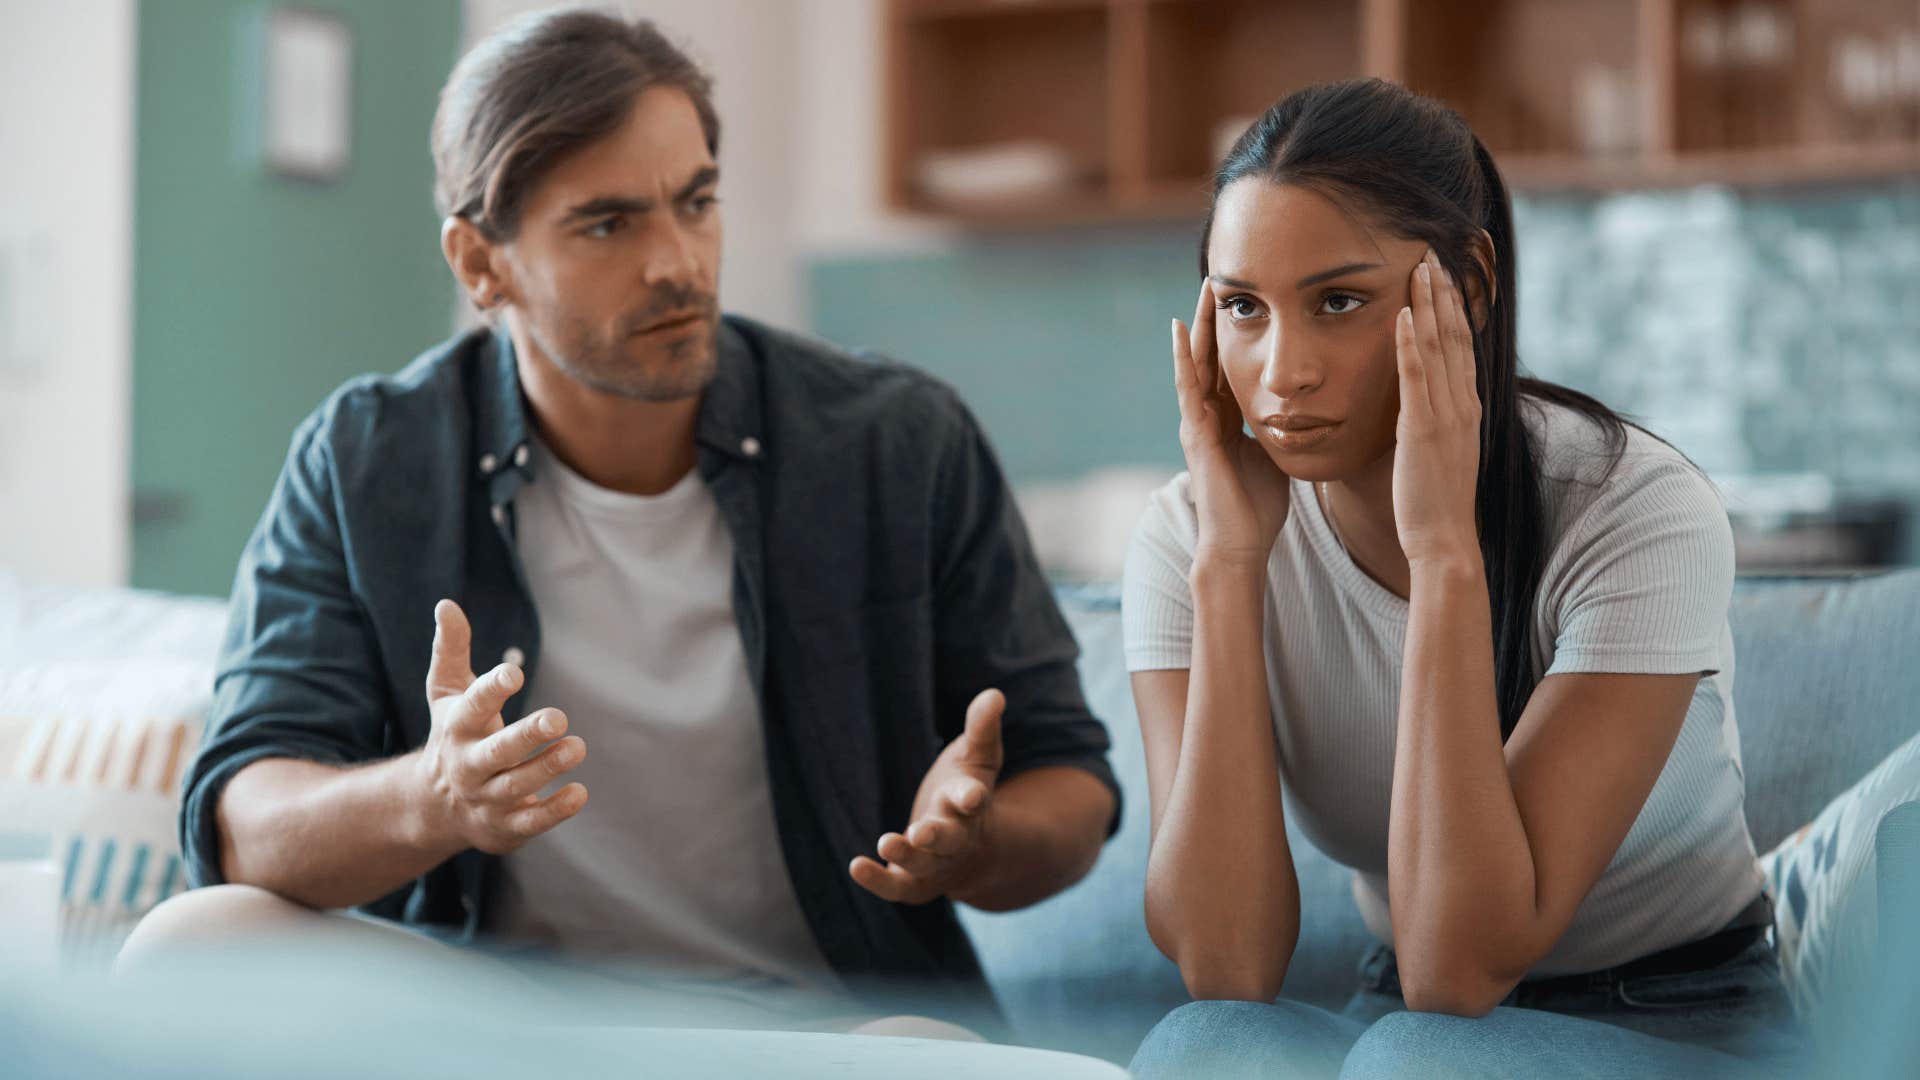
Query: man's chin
{"x": 660, "y": 375}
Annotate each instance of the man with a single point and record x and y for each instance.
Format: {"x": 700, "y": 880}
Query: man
{"x": 771, "y": 604}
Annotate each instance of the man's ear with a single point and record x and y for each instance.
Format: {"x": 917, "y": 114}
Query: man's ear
{"x": 1483, "y": 293}
{"x": 476, "y": 263}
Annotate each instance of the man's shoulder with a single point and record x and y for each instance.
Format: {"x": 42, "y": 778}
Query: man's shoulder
{"x": 428, "y": 395}
{"x": 814, "y": 384}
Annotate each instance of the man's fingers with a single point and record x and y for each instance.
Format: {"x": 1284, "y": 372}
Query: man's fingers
{"x": 983, "y": 749}
{"x": 450, "y": 669}
{"x": 885, "y": 882}
{"x": 533, "y": 820}
{"x": 485, "y": 698}
{"x": 940, "y": 835}
{"x": 515, "y": 784}
{"x": 895, "y": 849}
{"x": 964, "y": 797}
{"x": 515, "y": 743}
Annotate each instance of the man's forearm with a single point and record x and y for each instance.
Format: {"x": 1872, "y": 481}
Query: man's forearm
{"x": 1043, "y": 834}
{"x": 329, "y": 837}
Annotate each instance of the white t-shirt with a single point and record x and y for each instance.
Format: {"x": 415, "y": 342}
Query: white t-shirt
{"x": 675, "y": 861}
{"x": 1638, "y": 579}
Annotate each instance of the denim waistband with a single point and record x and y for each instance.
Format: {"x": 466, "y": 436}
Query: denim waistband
{"x": 1380, "y": 971}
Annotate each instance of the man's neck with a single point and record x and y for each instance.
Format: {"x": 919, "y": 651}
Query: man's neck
{"x": 623, "y": 444}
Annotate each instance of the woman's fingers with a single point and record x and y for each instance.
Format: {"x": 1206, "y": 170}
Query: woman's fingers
{"x": 1426, "y": 331}
{"x": 1185, "y": 385}
{"x": 1413, "y": 381}
{"x": 1457, "y": 333}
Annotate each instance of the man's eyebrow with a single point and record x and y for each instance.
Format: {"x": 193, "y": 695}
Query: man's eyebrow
{"x": 608, "y": 204}
{"x": 605, "y": 205}
{"x": 708, "y": 175}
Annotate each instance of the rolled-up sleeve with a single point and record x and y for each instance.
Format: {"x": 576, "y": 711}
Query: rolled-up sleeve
{"x": 299, "y": 671}
{"x": 997, "y": 624}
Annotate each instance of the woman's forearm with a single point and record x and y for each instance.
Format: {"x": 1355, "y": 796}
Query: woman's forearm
{"x": 1222, "y": 899}
{"x": 1460, "y": 871}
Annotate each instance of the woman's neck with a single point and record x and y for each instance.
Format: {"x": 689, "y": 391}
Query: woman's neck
{"x": 1360, "y": 509}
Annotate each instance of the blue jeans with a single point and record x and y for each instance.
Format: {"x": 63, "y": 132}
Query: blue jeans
{"x": 1731, "y": 1019}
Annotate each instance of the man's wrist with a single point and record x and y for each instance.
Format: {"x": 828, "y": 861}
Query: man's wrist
{"x": 424, "y": 823}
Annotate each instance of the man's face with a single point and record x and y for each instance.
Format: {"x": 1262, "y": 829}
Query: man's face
{"x": 616, "y": 263}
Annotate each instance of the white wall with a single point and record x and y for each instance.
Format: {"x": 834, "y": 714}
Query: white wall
{"x": 66, "y": 288}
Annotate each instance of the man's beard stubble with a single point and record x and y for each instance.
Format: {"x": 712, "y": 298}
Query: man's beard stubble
{"x": 677, "y": 368}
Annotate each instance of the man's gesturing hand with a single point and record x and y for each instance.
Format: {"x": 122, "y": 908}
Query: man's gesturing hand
{"x": 943, "y": 848}
{"x": 482, "y": 778}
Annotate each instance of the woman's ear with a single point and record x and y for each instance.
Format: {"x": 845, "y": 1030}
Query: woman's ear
{"x": 1482, "y": 292}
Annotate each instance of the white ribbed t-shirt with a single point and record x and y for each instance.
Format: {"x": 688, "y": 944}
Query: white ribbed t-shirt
{"x": 1637, "y": 581}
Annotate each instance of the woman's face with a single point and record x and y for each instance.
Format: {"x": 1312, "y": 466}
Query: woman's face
{"x": 1305, "y": 297}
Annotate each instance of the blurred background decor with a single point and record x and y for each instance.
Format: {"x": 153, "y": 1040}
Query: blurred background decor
{"x": 1718, "y": 206}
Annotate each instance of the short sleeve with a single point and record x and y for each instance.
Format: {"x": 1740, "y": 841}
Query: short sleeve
{"x": 1645, "y": 575}
{"x": 1156, "y": 601}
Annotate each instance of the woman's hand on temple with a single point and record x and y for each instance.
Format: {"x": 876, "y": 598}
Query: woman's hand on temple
{"x": 1436, "y": 461}
{"x": 1240, "y": 494}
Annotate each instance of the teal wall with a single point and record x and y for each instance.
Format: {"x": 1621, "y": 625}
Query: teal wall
{"x": 256, "y": 296}
{"x": 1058, "y": 343}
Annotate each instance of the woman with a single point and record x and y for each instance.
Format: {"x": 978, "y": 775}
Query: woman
{"x": 1468, "y": 628}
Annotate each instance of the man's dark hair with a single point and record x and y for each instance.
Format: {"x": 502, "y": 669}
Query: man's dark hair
{"x": 540, "y": 88}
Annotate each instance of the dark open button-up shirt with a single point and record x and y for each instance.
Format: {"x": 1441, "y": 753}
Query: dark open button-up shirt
{"x": 882, "y": 578}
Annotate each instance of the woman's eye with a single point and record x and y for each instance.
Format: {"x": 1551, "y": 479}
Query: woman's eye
{"x": 1340, "y": 304}
{"x": 1240, "y": 307}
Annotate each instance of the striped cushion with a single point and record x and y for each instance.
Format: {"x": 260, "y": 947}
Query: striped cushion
{"x": 91, "y": 758}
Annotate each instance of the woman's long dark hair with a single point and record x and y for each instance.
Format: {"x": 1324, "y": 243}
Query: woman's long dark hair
{"x": 1411, "y": 164}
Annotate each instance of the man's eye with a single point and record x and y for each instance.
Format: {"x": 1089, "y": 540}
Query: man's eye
{"x": 605, "y": 226}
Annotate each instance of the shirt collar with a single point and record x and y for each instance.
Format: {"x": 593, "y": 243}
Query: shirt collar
{"x": 729, "y": 423}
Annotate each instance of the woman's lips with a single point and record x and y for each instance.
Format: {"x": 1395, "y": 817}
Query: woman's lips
{"x": 1299, "y": 434}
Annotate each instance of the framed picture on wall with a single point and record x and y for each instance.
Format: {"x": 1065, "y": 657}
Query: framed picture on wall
{"x": 307, "y": 85}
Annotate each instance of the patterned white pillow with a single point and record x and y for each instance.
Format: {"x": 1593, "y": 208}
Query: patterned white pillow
{"x": 92, "y": 754}
{"x": 1822, "y": 880}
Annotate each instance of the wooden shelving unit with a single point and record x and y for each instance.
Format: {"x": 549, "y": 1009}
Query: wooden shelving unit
{"x": 1130, "y": 101}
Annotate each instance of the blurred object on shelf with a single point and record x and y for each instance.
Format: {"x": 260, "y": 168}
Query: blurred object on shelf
{"x": 1016, "y": 169}
{"x": 1796, "y": 523}
{"x": 1608, "y": 111}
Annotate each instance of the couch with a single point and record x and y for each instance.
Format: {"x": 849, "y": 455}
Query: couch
{"x": 1827, "y": 681}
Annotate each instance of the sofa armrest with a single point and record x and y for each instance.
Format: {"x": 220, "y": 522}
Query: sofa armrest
{"x": 1897, "y": 852}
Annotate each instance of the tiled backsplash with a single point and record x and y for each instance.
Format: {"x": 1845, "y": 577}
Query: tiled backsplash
{"x": 1762, "y": 332}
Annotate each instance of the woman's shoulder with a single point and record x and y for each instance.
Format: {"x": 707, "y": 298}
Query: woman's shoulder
{"x": 1599, "y": 489}
{"x": 1580, "y": 461}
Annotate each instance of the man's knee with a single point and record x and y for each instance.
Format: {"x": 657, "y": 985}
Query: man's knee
{"x": 215, "y": 915}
